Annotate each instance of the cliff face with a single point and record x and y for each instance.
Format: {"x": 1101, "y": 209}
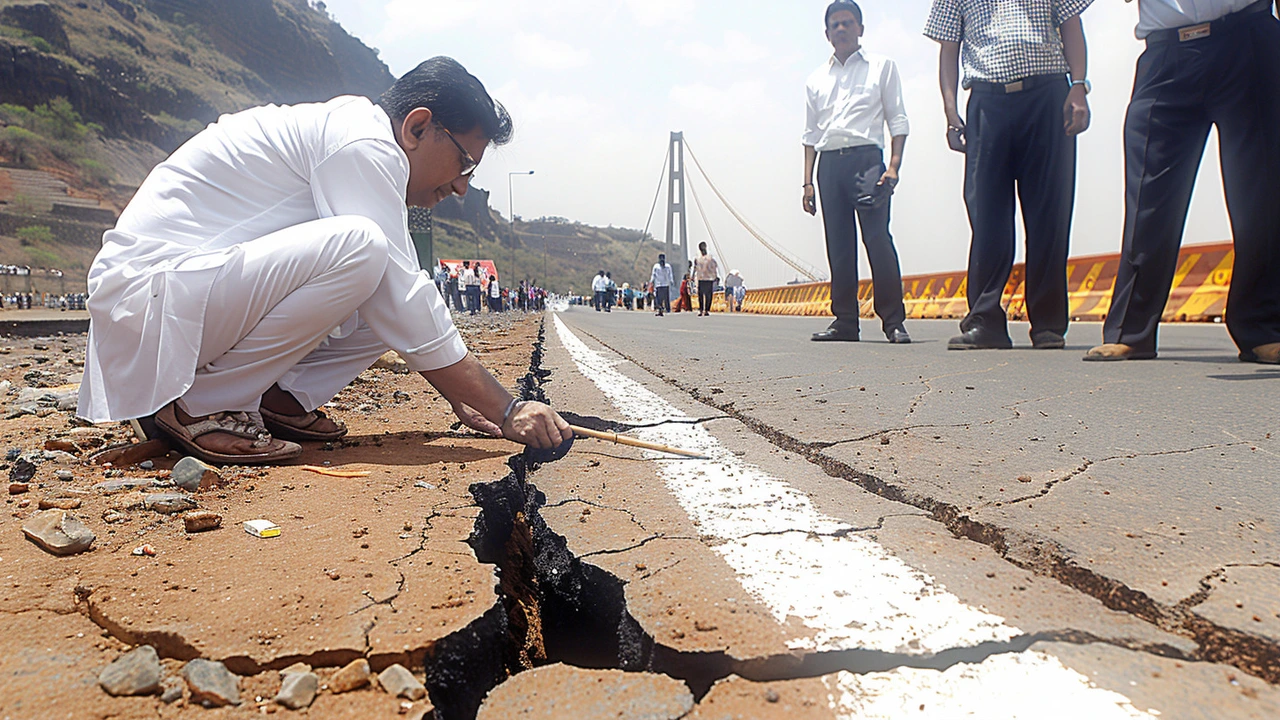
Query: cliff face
{"x": 158, "y": 70}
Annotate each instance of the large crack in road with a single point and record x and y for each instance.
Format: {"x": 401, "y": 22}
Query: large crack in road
{"x": 1252, "y": 654}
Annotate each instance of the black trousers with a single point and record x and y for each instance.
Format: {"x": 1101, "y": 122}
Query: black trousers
{"x": 843, "y": 178}
{"x": 1017, "y": 146}
{"x": 706, "y": 288}
{"x": 1230, "y": 79}
{"x": 662, "y": 298}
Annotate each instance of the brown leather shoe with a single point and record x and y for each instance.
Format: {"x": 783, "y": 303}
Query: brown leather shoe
{"x": 255, "y": 445}
{"x": 1117, "y": 351}
{"x": 1268, "y": 354}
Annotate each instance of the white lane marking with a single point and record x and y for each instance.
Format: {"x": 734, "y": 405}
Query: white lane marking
{"x": 849, "y": 592}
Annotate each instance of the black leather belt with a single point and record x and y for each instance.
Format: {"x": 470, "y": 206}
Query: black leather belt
{"x": 852, "y": 149}
{"x": 1207, "y": 30}
{"x": 1025, "y": 83}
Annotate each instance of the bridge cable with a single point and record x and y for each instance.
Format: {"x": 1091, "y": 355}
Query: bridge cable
{"x": 794, "y": 263}
{"x": 661, "y": 179}
{"x": 706, "y": 222}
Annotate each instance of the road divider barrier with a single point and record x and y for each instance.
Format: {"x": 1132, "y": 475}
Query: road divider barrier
{"x": 1198, "y": 294}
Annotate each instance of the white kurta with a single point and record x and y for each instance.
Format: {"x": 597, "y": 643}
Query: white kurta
{"x": 246, "y": 176}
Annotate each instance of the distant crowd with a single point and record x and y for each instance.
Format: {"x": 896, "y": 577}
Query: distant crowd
{"x": 471, "y": 287}
{"x": 51, "y": 301}
{"x": 656, "y": 293}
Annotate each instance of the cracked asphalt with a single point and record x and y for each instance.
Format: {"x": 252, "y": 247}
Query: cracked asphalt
{"x": 1122, "y": 516}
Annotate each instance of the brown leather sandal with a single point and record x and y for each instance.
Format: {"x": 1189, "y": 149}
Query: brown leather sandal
{"x": 240, "y": 424}
{"x": 298, "y": 427}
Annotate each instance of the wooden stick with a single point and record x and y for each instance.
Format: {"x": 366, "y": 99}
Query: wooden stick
{"x": 624, "y": 440}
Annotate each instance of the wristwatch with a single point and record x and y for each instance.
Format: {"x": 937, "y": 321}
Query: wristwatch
{"x": 1088, "y": 86}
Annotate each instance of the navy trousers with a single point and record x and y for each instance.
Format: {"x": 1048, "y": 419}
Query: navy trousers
{"x": 1016, "y": 145}
{"x": 1230, "y": 79}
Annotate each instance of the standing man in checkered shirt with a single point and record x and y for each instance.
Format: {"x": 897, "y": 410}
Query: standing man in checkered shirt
{"x": 1212, "y": 62}
{"x": 1023, "y": 115}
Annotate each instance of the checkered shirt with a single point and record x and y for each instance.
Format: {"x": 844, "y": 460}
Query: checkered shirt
{"x": 1002, "y": 41}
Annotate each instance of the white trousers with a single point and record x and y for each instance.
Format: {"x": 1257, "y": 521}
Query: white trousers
{"x": 271, "y": 313}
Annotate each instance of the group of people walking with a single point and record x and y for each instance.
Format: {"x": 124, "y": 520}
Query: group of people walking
{"x": 1215, "y": 62}
{"x": 657, "y": 291}
{"x": 471, "y": 287}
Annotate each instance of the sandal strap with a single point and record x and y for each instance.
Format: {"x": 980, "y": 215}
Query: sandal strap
{"x": 241, "y": 424}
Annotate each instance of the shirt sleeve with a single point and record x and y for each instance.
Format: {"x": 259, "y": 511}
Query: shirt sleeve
{"x": 367, "y": 178}
{"x": 895, "y": 110}
{"x": 945, "y": 23}
{"x": 812, "y": 133}
{"x": 1064, "y": 10}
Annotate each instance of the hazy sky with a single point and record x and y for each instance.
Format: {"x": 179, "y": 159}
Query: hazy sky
{"x": 596, "y": 86}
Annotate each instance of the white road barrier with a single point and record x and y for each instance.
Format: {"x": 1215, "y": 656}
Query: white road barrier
{"x": 847, "y": 591}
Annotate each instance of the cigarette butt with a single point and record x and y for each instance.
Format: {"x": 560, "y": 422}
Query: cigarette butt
{"x": 261, "y": 528}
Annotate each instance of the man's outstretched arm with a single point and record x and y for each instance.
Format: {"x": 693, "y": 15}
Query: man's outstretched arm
{"x": 480, "y": 402}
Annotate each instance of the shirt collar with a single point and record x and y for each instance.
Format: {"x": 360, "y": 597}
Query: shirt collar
{"x": 836, "y": 63}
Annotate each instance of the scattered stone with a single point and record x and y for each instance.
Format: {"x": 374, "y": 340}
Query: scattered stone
{"x": 771, "y": 695}
{"x": 60, "y": 503}
{"x": 390, "y": 360}
{"x": 18, "y": 488}
{"x": 169, "y": 503}
{"x": 425, "y": 485}
{"x": 60, "y": 457}
{"x": 201, "y": 520}
{"x": 137, "y": 672}
{"x": 298, "y": 667}
{"x": 5, "y": 387}
{"x": 172, "y": 691}
{"x": 355, "y": 675}
{"x": 64, "y": 444}
{"x": 112, "y": 517}
{"x": 146, "y": 465}
{"x": 58, "y": 533}
{"x": 65, "y": 475}
{"x": 22, "y": 470}
{"x": 399, "y": 682}
{"x": 212, "y": 685}
{"x": 147, "y": 550}
{"x": 112, "y": 486}
{"x": 298, "y": 690}
{"x": 12, "y": 454}
{"x": 191, "y": 475}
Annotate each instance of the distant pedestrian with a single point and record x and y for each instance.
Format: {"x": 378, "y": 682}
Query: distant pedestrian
{"x": 471, "y": 281}
{"x": 685, "y": 301}
{"x": 734, "y": 290}
{"x": 598, "y": 287}
{"x": 662, "y": 278}
{"x": 706, "y": 271}
{"x": 1019, "y": 141}
{"x": 1207, "y": 62}
{"x": 850, "y": 100}
{"x": 610, "y": 292}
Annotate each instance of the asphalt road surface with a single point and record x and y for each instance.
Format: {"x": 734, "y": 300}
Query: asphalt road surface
{"x": 888, "y": 531}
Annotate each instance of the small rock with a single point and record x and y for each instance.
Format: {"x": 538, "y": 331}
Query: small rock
{"x": 771, "y": 695}
{"x": 111, "y": 517}
{"x": 5, "y": 387}
{"x": 64, "y": 444}
{"x": 422, "y": 712}
{"x": 18, "y": 488}
{"x": 65, "y": 475}
{"x": 60, "y": 457}
{"x": 191, "y": 475}
{"x": 212, "y": 685}
{"x": 172, "y": 691}
{"x": 147, "y": 550}
{"x": 201, "y": 520}
{"x": 60, "y": 503}
{"x": 57, "y": 532}
{"x": 392, "y": 361}
{"x": 399, "y": 682}
{"x": 169, "y": 503}
{"x": 111, "y": 486}
{"x": 137, "y": 672}
{"x": 355, "y": 675}
{"x": 425, "y": 485}
{"x": 298, "y": 690}
{"x": 70, "y": 401}
{"x": 22, "y": 470}
{"x": 146, "y": 465}
{"x": 298, "y": 667}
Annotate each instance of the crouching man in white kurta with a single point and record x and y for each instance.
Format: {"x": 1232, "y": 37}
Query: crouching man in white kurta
{"x": 268, "y": 262}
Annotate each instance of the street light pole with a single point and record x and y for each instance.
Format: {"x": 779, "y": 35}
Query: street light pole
{"x": 511, "y": 217}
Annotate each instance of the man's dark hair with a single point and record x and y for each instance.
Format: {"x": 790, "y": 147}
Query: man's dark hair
{"x": 456, "y": 99}
{"x": 839, "y": 5}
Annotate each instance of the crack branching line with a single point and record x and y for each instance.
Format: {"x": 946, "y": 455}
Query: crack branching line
{"x": 634, "y": 546}
{"x": 1255, "y": 655}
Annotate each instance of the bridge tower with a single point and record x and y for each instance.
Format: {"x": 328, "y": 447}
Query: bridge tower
{"x": 675, "y": 206}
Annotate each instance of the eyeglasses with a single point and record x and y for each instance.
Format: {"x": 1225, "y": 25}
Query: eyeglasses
{"x": 469, "y": 163}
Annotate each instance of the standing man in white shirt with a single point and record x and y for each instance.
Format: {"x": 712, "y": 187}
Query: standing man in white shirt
{"x": 214, "y": 301}
{"x": 662, "y": 277}
{"x": 598, "y": 285}
{"x": 849, "y": 101}
{"x": 706, "y": 271}
{"x": 1024, "y": 114}
{"x": 1211, "y": 62}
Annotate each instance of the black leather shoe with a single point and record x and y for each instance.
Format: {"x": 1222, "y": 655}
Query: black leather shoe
{"x": 1047, "y": 340}
{"x": 899, "y": 336}
{"x": 975, "y": 339}
{"x": 835, "y": 334}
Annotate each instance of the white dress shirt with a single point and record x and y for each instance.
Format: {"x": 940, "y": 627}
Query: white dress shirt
{"x": 246, "y": 176}
{"x": 849, "y": 104}
{"x": 599, "y": 284}
{"x": 1167, "y": 14}
{"x": 662, "y": 275}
